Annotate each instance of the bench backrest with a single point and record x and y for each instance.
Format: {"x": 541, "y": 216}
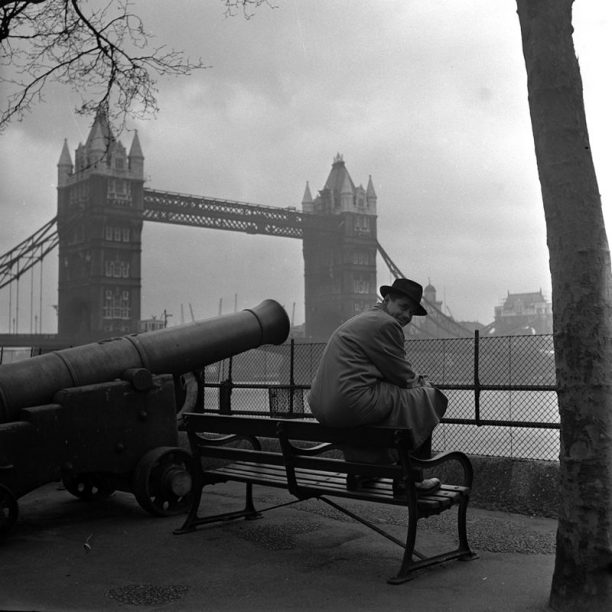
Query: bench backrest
{"x": 298, "y": 429}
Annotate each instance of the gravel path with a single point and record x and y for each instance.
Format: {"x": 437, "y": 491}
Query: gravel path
{"x": 488, "y": 530}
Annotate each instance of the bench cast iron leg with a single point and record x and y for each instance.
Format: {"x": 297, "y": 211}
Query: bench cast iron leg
{"x": 249, "y": 509}
{"x": 462, "y": 531}
{"x": 404, "y": 572}
{"x": 410, "y": 569}
{"x": 193, "y": 520}
{"x": 192, "y": 516}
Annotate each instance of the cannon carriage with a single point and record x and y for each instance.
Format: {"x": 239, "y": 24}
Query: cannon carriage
{"x": 103, "y": 416}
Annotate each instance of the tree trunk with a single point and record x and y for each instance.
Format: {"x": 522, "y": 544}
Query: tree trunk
{"x": 582, "y": 307}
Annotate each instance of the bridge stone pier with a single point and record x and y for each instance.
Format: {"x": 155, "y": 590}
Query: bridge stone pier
{"x": 101, "y": 207}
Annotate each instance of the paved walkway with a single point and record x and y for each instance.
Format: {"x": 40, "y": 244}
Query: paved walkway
{"x": 68, "y": 555}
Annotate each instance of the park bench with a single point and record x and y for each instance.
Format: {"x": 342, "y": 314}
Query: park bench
{"x": 290, "y": 454}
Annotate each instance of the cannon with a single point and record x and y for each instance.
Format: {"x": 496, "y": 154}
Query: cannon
{"x": 101, "y": 417}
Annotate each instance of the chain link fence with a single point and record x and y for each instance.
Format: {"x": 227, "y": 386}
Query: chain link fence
{"x": 501, "y": 390}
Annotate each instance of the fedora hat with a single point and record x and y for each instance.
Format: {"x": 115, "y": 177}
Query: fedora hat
{"x": 406, "y": 288}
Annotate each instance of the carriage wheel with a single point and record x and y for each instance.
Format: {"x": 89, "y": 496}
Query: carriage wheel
{"x": 88, "y": 487}
{"x": 162, "y": 481}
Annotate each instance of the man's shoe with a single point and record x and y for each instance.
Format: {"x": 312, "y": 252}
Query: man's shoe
{"x": 429, "y": 485}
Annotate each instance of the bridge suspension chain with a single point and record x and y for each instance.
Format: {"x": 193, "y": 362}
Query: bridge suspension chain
{"x": 16, "y": 262}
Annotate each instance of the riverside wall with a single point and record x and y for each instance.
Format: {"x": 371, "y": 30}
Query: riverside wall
{"x": 523, "y": 486}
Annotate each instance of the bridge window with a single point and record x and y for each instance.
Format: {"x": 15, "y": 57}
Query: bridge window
{"x": 117, "y": 234}
{"x": 78, "y": 196}
{"x": 361, "y": 286}
{"x": 119, "y": 192}
{"x": 116, "y": 304}
{"x": 116, "y": 269}
{"x": 361, "y": 258}
{"x": 362, "y": 224}
{"x": 77, "y": 235}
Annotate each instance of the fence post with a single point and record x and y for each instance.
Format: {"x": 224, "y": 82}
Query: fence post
{"x": 225, "y": 392}
{"x": 476, "y": 376}
{"x": 291, "y": 377}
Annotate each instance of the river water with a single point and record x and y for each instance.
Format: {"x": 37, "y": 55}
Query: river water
{"x": 497, "y": 441}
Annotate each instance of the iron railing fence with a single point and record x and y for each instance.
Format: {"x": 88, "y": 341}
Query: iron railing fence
{"x": 501, "y": 390}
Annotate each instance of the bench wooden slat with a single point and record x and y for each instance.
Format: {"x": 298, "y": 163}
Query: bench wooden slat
{"x": 329, "y": 482}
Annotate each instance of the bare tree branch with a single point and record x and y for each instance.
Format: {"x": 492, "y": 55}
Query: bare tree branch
{"x": 247, "y": 7}
{"x": 101, "y": 51}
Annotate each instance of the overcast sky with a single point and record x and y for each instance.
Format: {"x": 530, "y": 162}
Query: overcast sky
{"x": 427, "y": 97}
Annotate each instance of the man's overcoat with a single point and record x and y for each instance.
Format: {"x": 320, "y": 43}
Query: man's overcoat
{"x": 364, "y": 378}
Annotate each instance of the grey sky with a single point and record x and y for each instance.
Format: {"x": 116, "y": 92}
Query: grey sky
{"x": 428, "y": 97}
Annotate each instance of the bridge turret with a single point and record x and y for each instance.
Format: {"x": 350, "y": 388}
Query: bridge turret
{"x": 307, "y": 204}
{"x": 136, "y": 158}
{"x": 97, "y": 145}
{"x": 430, "y": 293}
{"x": 371, "y": 196}
{"x": 64, "y": 166}
{"x": 347, "y": 193}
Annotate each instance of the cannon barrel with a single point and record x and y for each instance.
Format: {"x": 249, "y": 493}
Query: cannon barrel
{"x": 173, "y": 350}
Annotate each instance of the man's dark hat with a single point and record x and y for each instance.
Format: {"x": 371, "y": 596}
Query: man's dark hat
{"x": 409, "y": 289}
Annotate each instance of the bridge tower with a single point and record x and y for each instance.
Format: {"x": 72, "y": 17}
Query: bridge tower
{"x": 339, "y": 261}
{"x": 99, "y": 223}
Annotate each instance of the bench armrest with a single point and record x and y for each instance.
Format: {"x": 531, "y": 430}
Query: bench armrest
{"x": 445, "y": 457}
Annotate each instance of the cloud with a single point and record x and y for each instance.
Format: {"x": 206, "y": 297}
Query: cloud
{"x": 429, "y": 98}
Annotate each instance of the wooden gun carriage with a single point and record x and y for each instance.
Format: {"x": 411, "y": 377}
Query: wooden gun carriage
{"x": 102, "y": 416}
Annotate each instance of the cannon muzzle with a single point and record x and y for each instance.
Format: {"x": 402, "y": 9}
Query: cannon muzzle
{"x": 173, "y": 350}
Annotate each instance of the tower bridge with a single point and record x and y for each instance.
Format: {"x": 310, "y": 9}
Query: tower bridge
{"x": 102, "y": 204}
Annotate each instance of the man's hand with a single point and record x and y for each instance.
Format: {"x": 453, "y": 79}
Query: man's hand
{"x": 423, "y": 380}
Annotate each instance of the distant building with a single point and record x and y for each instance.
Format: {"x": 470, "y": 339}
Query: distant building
{"x": 426, "y": 326}
{"x": 152, "y": 324}
{"x": 437, "y": 324}
{"x": 472, "y": 326}
{"x": 523, "y": 314}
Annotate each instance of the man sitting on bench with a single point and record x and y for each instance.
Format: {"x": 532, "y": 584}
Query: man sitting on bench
{"x": 364, "y": 378}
